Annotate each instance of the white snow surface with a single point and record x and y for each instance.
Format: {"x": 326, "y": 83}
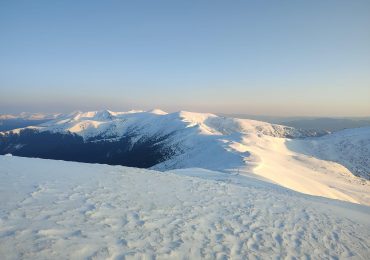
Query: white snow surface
{"x": 280, "y": 161}
{"x": 66, "y": 210}
{"x": 322, "y": 166}
{"x": 350, "y": 147}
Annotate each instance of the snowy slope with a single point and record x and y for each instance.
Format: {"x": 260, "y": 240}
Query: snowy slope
{"x": 267, "y": 151}
{"x": 350, "y": 147}
{"x": 280, "y": 161}
{"x": 185, "y": 134}
{"x": 65, "y": 210}
{"x": 190, "y": 139}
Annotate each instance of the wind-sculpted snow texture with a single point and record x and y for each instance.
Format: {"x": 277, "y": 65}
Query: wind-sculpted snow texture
{"x": 65, "y": 210}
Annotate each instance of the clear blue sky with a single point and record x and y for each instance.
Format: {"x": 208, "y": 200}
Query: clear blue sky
{"x": 253, "y": 57}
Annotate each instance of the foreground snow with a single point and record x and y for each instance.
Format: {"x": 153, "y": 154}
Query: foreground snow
{"x": 62, "y": 210}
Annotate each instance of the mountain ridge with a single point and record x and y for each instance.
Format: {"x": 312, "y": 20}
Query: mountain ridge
{"x": 167, "y": 141}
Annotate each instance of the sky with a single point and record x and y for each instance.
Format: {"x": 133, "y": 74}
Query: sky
{"x": 284, "y": 58}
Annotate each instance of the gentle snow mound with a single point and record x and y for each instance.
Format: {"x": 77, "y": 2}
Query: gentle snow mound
{"x": 65, "y": 210}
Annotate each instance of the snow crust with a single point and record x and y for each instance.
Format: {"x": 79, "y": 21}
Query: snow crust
{"x": 65, "y": 210}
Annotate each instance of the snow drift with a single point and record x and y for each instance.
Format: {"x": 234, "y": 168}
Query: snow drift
{"x": 67, "y": 210}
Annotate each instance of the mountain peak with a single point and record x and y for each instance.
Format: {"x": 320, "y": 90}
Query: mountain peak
{"x": 158, "y": 111}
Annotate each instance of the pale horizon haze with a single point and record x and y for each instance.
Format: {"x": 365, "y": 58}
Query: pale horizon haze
{"x": 280, "y": 58}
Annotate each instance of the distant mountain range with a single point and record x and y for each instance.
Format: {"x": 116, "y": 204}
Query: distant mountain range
{"x": 118, "y": 137}
{"x": 30, "y": 116}
{"x": 300, "y": 159}
{"x": 331, "y": 124}
{"x": 10, "y": 121}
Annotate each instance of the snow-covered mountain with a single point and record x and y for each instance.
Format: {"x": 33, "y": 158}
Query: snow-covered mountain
{"x": 176, "y": 140}
{"x": 66, "y": 210}
{"x": 30, "y": 116}
{"x": 350, "y": 147}
{"x": 10, "y": 122}
{"x": 106, "y": 124}
{"x": 165, "y": 141}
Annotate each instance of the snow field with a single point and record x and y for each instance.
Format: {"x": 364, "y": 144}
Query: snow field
{"x": 60, "y": 210}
